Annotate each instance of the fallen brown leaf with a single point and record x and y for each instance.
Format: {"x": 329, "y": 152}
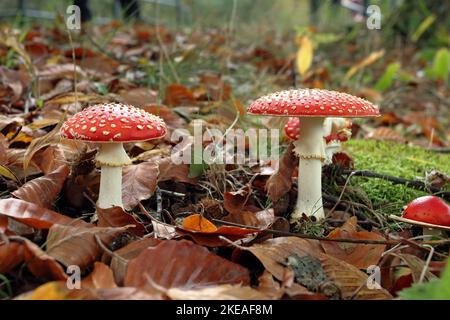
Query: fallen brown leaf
{"x": 350, "y": 280}
{"x": 78, "y": 245}
{"x": 360, "y": 255}
{"x": 34, "y": 215}
{"x": 182, "y": 264}
{"x": 44, "y": 190}
{"x": 281, "y": 181}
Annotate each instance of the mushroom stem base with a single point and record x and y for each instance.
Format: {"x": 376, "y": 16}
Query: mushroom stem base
{"x": 110, "y": 194}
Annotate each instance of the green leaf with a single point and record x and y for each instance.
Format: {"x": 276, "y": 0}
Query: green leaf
{"x": 424, "y": 25}
{"x": 441, "y": 65}
{"x": 385, "y": 82}
{"x": 436, "y": 289}
{"x": 198, "y": 166}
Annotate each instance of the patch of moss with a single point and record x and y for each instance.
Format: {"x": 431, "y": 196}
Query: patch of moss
{"x": 392, "y": 159}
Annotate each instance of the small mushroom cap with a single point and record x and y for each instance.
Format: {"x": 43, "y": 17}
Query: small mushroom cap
{"x": 113, "y": 122}
{"x": 312, "y": 103}
{"x": 428, "y": 209}
{"x": 292, "y": 128}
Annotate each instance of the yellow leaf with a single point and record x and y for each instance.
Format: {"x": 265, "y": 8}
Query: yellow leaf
{"x": 304, "y": 55}
{"x": 49, "y": 291}
{"x": 4, "y": 171}
{"x": 374, "y": 56}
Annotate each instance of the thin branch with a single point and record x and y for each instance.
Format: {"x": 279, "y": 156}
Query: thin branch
{"x": 416, "y": 184}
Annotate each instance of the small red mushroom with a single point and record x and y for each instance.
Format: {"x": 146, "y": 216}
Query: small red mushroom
{"x": 111, "y": 125}
{"x": 429, "y": 212}
{"x": 428, "y": 209}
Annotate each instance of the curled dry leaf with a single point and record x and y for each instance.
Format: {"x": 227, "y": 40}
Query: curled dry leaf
{"x": 360, "y": 255}
{"x": 117, "y": 217}
{"x": 44, "y": 190}
{"x": 350, "y": 280}
{"x": 101, "y": 277}
{"x": 35, "y": 216}
{"x": 51, "y": 158}
{"x": 234, "y": 201}
{"x": 182, "y": 264}
{"x": 139, "y": 183}
{"x": 281, "y": 181}
{"x": 78, "y": 245}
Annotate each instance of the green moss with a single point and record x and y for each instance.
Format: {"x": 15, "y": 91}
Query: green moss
{"x": 392, "y": 159}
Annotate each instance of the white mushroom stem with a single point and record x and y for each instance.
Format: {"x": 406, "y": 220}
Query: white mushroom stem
{"x": 111, "y": 157}
{"x": 310, "y": 150}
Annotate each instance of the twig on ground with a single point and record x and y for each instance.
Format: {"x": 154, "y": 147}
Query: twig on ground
{"x": 305, "y": 236}
{"x": 416, "y": 184}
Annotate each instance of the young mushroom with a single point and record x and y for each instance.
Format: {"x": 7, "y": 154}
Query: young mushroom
{"x": 335, "y": 131}
{"x": 110, "y": 125}
{"x": 311, "y": 106}
{"x": 429, "y": 212}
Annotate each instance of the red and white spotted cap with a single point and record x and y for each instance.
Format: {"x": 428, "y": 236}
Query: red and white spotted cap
{"x": 312, "y": 103}
{"x": 113, "y": 122}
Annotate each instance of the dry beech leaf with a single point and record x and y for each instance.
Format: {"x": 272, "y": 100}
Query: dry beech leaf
{"x": 139, "y": 183}
{"x": 11, "y": 255}
{"x": 274, "y": 252}
{"x": 182, "y": 264}
{"x": 119, "y": 261}
{"x": 281, "y": 181}
{"x": 117, "y": 217}
{"x": 386, "y": 134}
{"x": 220, "y": 292}
{"x": 179, "y": 95}
{"x": 35, "y": 216}
{"x": 360, "y": 255}
{"x": 234, "y": 201}
{"x": 44, "y": 190}
{"x": 37, "y": 261}
{"x": 101, "y": 277}
{"x": 197, "y": 222}
{"x": 261, "y": 219}
{"x": 41, "y": 264}
{"x": 374, "y": 56}
{"x": 269, "y": 286}
{"x": 77, "y": 245}
{"x": 139, "y": 97}
{"x": 51, "y": 158}
{"x": 59, "y": 71}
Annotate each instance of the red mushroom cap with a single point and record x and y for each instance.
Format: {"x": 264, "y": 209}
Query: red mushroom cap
{"x": 113, "y": 122}
{"x": 312, "y": 103}
{"x": 429, "y": 209}
{"x": 292, "y": 128}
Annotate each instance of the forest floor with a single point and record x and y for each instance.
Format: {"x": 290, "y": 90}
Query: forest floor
{"x": 214, "y": 231}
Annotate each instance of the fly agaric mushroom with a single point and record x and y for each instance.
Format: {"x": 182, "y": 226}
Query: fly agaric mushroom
{"x": 429, "y": 212}
{"x": 111, "y": 125}
{"x": 335, "y": 131}
{"x": 311, "y": 106}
